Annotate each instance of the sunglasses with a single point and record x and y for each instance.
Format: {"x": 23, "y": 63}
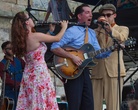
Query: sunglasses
{"x": 108, "y": 14}
{"x": 27, "y": 18}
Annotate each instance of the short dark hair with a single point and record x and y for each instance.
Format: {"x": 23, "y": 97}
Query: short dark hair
{"x": 79, "y": 9}
{"x": 4, "y": 44}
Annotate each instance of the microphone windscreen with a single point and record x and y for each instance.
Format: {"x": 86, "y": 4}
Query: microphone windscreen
{"x": 95, "y": 21}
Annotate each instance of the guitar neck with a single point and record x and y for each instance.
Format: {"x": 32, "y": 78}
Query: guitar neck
{"x": 130, "y": 42}
{"x": 94, "y": 53}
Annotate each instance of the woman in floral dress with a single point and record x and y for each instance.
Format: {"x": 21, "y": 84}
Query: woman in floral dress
{"x": 37, "y": 90}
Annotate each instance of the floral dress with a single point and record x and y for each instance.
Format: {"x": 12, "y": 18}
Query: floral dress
{"x": 37, "y": 91}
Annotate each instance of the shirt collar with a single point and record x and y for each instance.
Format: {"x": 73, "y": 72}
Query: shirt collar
{"x": 81, "y": 28}
{"x": 112, "y": 25}
{"x": 8, "y": 58}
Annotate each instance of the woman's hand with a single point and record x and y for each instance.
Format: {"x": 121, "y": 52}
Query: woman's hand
{"x": 64, "y": 24}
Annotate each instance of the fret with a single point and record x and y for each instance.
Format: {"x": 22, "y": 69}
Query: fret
{"x": 94, "y": 53}
{"x": 107, "y": 49}
{"x": 98, "y": 52}
{"x": 102, "y": 50}
{"x": 91, "y": 54}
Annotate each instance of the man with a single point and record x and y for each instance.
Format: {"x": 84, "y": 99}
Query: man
{"x": 13, "y": 71}
{"x": 60, "y": 10}
{"x": 79, "y": 90}
{"x": 105, "y": 73}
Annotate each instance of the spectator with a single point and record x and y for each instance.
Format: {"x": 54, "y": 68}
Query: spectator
{"x": 59, "y": 9}
{"x": 13, "y": 73}
{"x": 123, "y": 4}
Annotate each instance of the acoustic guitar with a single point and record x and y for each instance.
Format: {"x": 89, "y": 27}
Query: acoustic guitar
{"x": 68, "y": 70}
{"x": 8, "y": 104}
{"x": 5, "y": 102}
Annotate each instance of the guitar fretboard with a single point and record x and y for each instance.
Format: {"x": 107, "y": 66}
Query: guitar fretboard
{"x": 94, "y": 53}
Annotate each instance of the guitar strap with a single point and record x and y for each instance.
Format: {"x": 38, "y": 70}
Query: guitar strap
{"x": 86, "y": 36}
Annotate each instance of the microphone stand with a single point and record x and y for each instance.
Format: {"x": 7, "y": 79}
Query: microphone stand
{"x": 28, "y": 9}
{"x": 96, "y": 5}
{"x": 118, "y": 51}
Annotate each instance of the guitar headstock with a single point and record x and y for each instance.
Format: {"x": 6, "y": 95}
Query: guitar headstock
{"x": 130, "y": 43}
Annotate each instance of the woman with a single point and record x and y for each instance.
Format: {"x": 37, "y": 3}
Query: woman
{"x": 37, "y": 90}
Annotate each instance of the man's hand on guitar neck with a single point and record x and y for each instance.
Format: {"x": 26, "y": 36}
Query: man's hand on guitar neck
{"x": 122, "y": 45}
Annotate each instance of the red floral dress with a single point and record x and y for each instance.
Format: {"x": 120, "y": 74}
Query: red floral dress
{"x": 37, "y": 91}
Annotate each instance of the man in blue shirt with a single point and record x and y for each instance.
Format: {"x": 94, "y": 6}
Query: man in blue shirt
{"x": 13, "y": 73}
{"x": 79, "y": 90}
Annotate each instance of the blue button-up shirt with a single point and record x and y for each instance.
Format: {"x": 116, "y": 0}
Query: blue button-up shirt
{"x": 74, "y": 37}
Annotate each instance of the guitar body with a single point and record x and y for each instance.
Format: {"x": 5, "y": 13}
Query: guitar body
{"x": 8, "y": 104}
{"x": 3, "y": 106}
{"x": 67, "y": 69}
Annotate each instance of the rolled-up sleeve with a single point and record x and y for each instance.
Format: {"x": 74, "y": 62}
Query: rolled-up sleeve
{"x": 64, "y": 40}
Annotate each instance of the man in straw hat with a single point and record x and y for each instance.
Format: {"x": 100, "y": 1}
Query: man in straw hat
{"x": 105, "y": 74}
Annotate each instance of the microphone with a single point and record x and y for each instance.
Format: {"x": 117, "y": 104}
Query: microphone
{"x": 100, "y": 22}
{"x": 43, "y": 23}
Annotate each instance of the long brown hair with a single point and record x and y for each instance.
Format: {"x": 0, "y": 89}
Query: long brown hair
{"x": 19, "y": 33}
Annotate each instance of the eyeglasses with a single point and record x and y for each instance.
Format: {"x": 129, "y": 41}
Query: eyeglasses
{"x": 27, "y": 18}
{"x": 108, "y": 14}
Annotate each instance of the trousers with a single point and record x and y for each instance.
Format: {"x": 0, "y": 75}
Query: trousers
{"x": 79, "y": 92}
